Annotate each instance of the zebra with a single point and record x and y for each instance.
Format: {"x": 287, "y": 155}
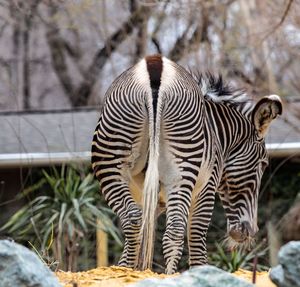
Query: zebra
{"x": 169, "y": 140}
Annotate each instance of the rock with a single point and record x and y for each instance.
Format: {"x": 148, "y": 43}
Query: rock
{"x": 287, "y": 273}
{"x": 202, "y": 276}
{"x": 277, "y": 275}
{"x": 21, "y": 267}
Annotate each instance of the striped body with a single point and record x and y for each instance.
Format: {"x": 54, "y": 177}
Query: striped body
{"x": 163, "y": 142}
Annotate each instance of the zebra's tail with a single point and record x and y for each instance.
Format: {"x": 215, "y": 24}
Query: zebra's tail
{"x": 151, "y": 182}
{"x": 150, "y": 198}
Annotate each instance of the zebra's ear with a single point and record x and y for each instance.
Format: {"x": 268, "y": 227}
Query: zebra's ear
{"x": 264, "y": 112}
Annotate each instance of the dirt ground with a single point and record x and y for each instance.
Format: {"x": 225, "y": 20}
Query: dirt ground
{"x": 119, "y": 277}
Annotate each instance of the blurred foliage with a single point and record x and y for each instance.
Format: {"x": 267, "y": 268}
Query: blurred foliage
{"x": 61, "y": 217}
{"x": 231, "y": 261}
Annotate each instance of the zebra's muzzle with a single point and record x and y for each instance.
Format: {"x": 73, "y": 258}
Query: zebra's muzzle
{"x": 242, "y": 232}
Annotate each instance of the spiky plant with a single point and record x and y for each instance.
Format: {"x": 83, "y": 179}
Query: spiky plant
{"x": 61, "y": 216}
{"x": 232, "y": 260}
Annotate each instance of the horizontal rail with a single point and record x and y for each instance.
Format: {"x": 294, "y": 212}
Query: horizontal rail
{"x": 283, "y": 149}
{"x": 10, "y": 160}
{"x": 43, "y": 159}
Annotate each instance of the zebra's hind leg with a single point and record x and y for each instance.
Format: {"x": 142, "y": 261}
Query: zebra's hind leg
{"x": 131, "y": 227}
{"x": 178, "y": 204}
{"x": 123, "y": 259}
{"x": 120, "y": 200}
{"x": 200, "y": 217}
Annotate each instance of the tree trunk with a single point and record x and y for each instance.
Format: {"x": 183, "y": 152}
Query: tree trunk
{"x": 16, "y": 67}
{"x": 26, "y": 62}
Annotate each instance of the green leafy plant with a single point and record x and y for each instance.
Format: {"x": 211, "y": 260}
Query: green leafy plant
{"x": 62, "y": 214}
{"x": 231, "y": 261}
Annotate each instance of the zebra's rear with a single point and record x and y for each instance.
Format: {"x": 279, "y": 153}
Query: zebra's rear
{"x": 150, "y": 114}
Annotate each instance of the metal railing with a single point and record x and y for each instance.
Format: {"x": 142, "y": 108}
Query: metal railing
{"x": 9, "y": 160}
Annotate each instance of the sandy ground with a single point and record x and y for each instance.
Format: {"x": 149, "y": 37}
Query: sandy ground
{"x": 262, "y": 278}
{"x": 119, "y": 277}
{"x": 113, "y": 276}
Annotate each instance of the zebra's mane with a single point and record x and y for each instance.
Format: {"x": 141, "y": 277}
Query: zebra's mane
{"x": 215, "y": 89}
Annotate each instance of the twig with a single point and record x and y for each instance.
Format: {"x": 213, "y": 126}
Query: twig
{"x": 282, "y": 19}
{"x": 254, "y": 269}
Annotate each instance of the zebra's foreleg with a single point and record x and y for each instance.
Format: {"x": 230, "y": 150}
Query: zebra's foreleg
{"x": 200, "y": 217}
{"x": 119, "y": 199}
{"x": 173, "y": 240}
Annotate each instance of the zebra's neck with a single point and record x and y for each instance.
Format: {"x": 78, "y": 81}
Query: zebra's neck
{"x": 230, "y": 124}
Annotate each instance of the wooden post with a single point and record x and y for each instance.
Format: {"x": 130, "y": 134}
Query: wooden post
{"x": 274, "y": 243}
{"x": 102, "y": 245}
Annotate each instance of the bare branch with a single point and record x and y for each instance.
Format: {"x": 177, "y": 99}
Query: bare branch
{"x": 57, "y": 49}
{"x": 184, "y": 45}
{"x": 160, "y": 18}
{"x": 81, "y": 95}
{"x": 141, "y": 38}
{"x": 282, "y": 19}
{"x": 179, "y": 48}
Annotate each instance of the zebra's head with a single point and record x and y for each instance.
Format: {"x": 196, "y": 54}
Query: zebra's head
{"x": 243, "y": 171}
